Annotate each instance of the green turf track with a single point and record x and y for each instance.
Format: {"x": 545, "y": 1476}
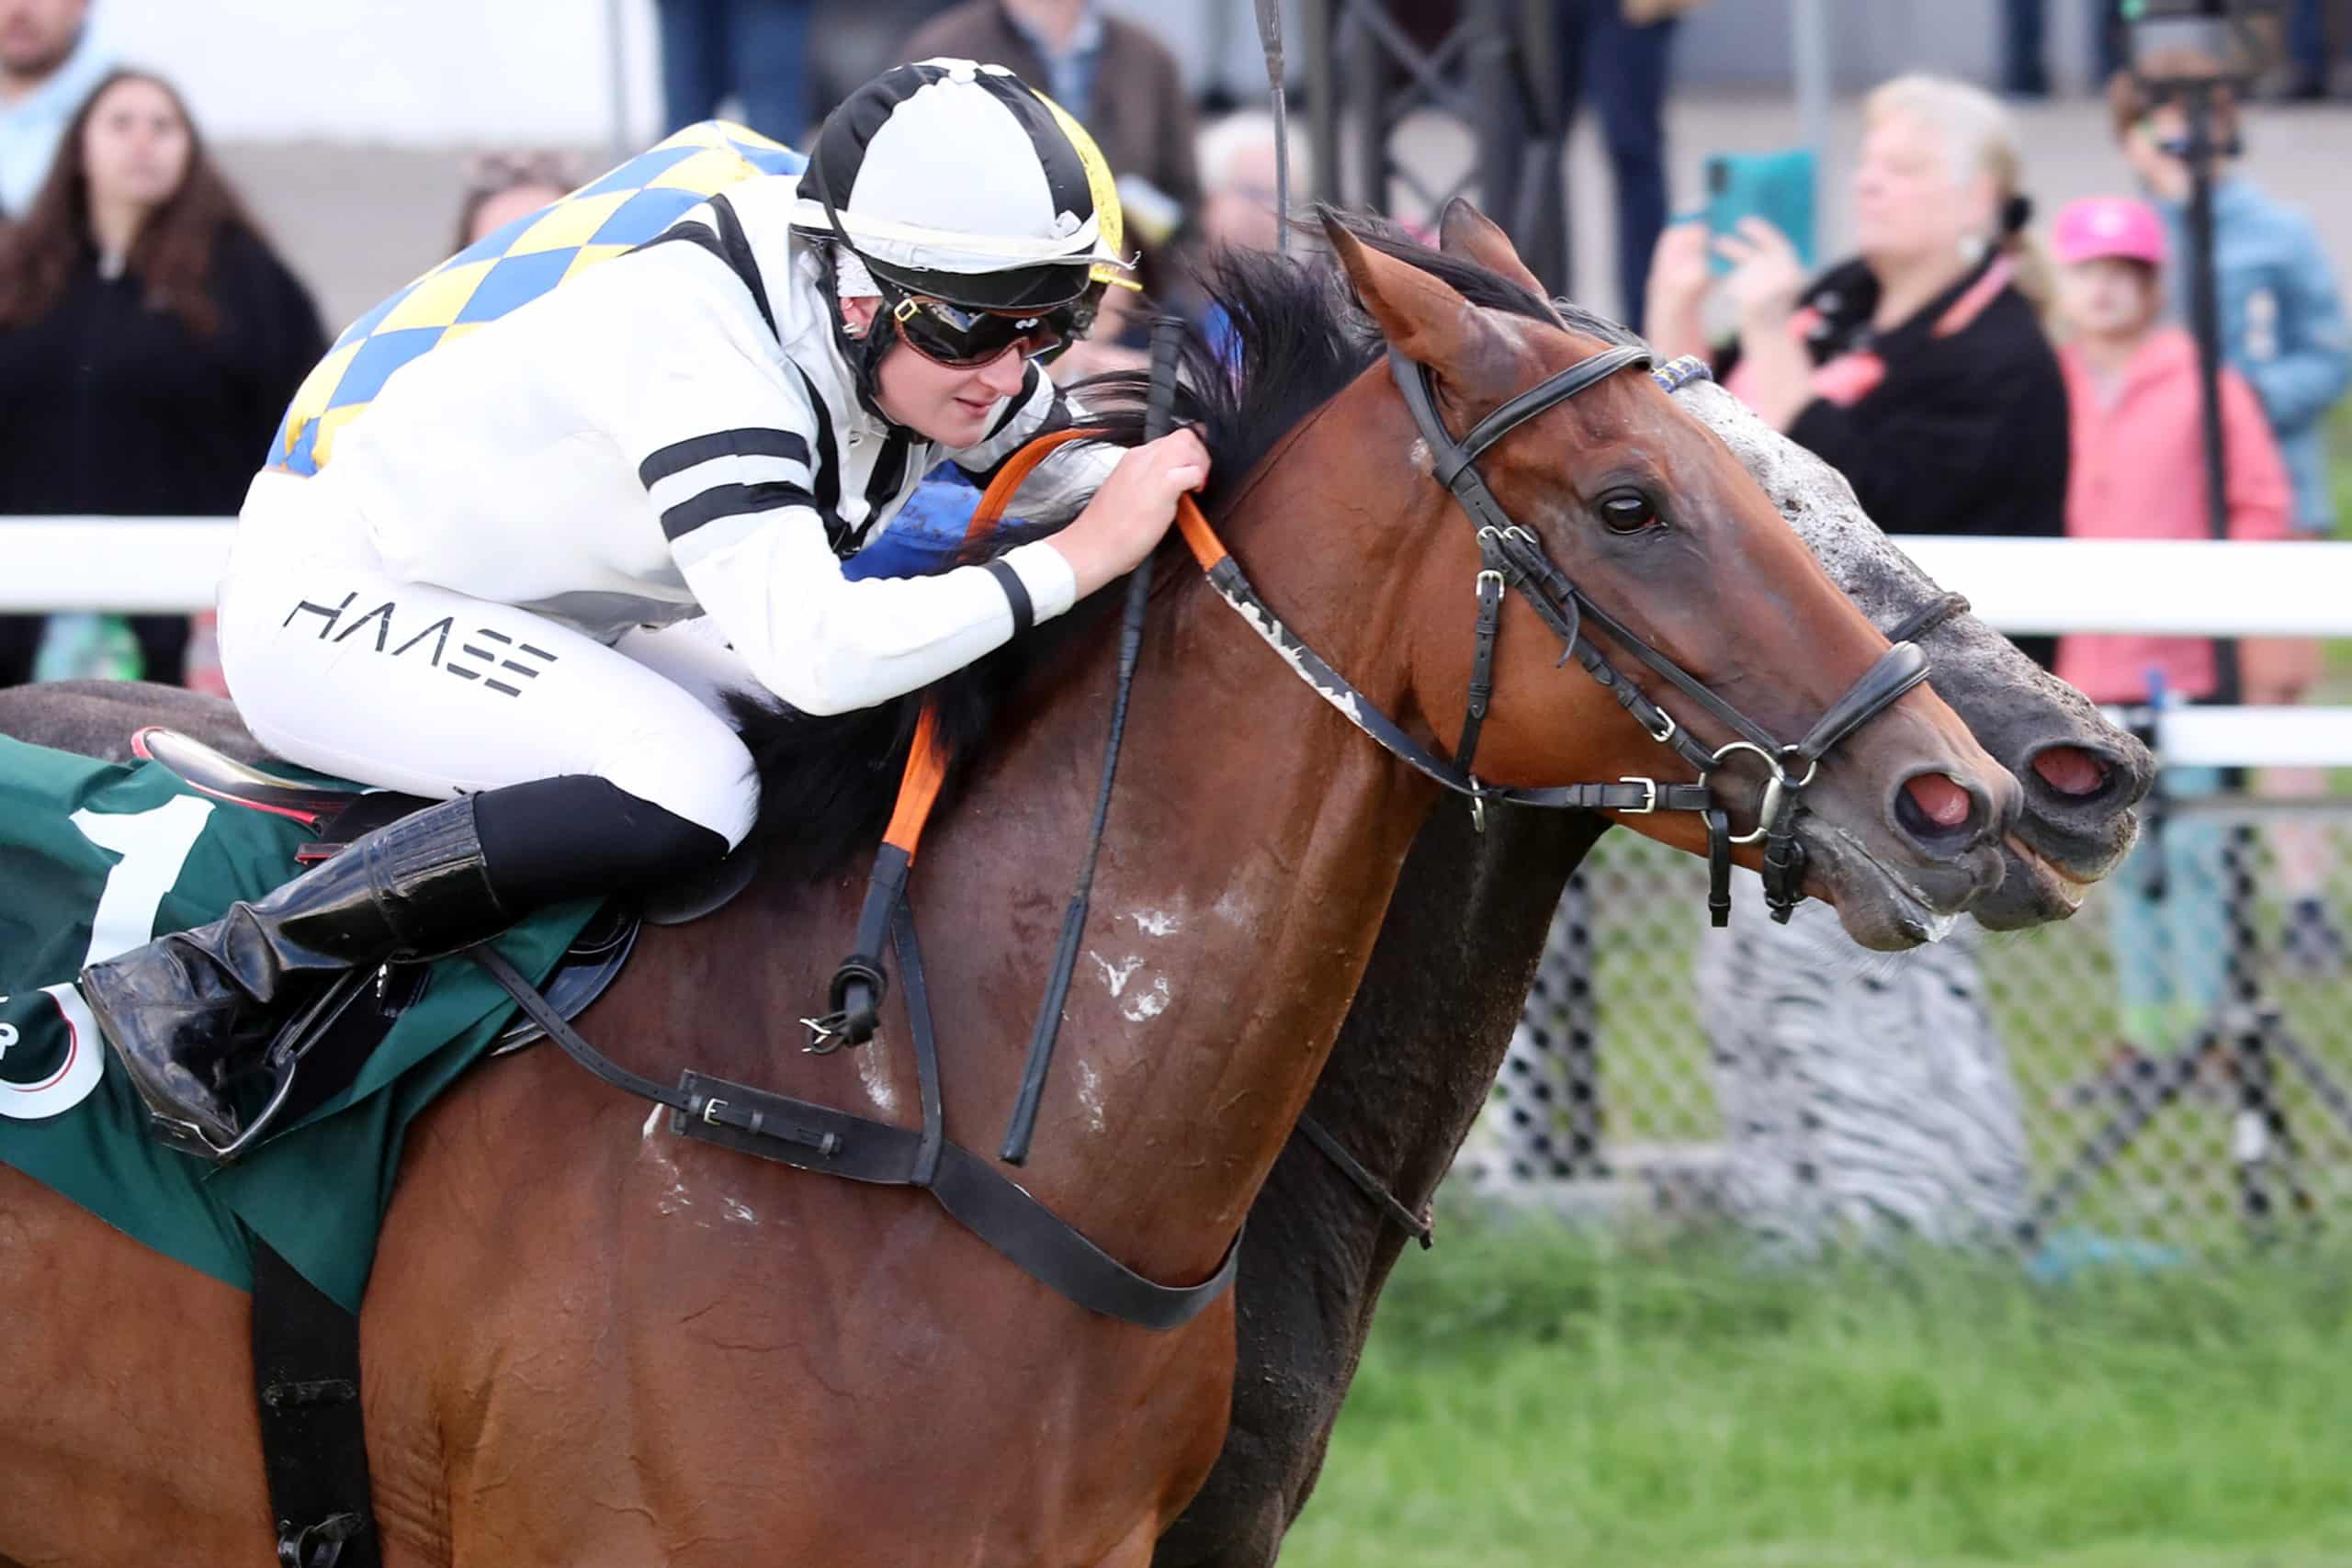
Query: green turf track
{"x": 1529, "y": 1398}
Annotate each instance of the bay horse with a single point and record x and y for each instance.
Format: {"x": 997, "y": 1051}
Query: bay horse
{"x": 1420, "y": 1049}
{"x": 588, "y": 1341}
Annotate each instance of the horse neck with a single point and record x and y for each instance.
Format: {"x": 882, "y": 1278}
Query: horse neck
{"x": 1252, "y": 843}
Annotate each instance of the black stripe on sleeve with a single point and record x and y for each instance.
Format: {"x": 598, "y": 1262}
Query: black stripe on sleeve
{"x": 680, "y": 456}
{"x": 730, "y": 501}
{"x": 1016, "y": 594}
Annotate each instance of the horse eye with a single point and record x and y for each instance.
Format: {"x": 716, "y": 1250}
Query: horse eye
{"x": 1627, "y": 512}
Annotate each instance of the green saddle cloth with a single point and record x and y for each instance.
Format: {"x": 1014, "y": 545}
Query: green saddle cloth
{"x": 96, "y": 859}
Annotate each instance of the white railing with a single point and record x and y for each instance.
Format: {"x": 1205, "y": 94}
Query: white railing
{"x": 2187, "y": 588}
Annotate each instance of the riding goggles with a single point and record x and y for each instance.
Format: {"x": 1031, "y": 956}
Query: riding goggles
{"x": 961, "y": 337}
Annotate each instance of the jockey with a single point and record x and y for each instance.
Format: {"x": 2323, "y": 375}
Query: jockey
{"x": 479, "y": 599}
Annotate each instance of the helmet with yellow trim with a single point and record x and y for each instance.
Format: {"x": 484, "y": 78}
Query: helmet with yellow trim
{"x": 983, "y": 213}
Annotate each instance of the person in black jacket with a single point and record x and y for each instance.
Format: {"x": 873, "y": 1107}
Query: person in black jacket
{"x": 1919, "y": 368}
{"x": 149, "y": 339}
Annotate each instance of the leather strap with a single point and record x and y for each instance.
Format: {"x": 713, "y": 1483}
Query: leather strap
{"x": 1892, "y": 675}
{"x": 313, "y": 1436}
{"x": 1482, "y": 669}
{"x": 819, "y": 1138}
{"x": 1928, "y": 616}
{"x": 1422, "y": 1226}
{"x": 1558, "y": 388}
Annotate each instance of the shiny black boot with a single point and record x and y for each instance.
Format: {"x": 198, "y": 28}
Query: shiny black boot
{"x": 191, "y": 1011}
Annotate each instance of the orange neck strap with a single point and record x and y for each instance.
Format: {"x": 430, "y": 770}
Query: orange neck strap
{"x": 926, "y": 770}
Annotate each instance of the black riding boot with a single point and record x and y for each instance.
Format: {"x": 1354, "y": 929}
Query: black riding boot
{"x": 189, "y": 1011}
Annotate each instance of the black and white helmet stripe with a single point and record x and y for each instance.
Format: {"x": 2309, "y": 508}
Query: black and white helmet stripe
{"x": 956, "y": 178}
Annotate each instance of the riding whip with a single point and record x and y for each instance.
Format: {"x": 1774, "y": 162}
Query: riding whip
{"x": 1270, "y": 38}
{"x": 1159, "y": 418}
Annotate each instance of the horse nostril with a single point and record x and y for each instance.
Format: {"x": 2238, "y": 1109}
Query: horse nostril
{"x": 1941, "y": 798}
{"x": 1941, "y": 814}
{"x": 2071, "y": 771}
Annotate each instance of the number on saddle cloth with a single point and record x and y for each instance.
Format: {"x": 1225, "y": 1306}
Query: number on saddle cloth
{"x": 98, "y": 858}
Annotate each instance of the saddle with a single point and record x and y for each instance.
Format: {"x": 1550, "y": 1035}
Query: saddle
{"x": 323, "y": 1047}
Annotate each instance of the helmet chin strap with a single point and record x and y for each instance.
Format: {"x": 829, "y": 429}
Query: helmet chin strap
{"x": 862, "y": 352}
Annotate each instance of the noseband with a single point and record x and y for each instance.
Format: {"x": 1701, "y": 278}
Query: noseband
{"x": 1513, "y": 557}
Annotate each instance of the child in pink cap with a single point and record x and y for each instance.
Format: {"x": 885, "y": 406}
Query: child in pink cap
{"x": 2138, "y": 438}
{"x": 2135, "y": 404}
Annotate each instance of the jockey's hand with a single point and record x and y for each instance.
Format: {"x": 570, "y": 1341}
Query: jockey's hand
{"x": 1128, "y": 516}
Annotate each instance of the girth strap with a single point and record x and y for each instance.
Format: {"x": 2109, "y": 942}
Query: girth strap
{"x": 820, "y": 1138}
{"x": 314, "y": 1435}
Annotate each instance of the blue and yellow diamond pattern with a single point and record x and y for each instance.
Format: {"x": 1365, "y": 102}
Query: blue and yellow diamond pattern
{"x": 513, "y": 266}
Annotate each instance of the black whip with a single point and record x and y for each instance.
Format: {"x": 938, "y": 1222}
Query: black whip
{"x": 1159, "y": 418}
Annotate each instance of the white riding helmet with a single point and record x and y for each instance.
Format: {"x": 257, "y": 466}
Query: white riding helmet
{"x": 959, "y": 181}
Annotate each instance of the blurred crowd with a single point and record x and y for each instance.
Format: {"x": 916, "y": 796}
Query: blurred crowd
{"x": 1973, "y": 366}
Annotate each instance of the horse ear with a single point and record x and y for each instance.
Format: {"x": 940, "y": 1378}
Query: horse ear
{"x": 1464, "y": 230}
{"x": 1421, "y": 317}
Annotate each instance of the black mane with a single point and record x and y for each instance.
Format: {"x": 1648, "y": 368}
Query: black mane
{"x": 1297, "y": 338}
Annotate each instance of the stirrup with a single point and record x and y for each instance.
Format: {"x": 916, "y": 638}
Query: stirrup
{"x": 280, "y": 1063}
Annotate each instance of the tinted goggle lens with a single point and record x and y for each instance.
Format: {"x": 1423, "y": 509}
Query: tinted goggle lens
{"x": 950, "y": 335}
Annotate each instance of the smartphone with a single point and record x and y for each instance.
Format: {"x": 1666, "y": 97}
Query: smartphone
{"x": 1775, "y": 186}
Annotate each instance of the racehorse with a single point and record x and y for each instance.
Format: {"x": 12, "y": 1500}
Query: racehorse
{"x": 588, "y": 1340}
{"x": 1421, "y": 1047}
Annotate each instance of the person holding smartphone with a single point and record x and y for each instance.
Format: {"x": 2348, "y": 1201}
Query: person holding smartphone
{"x": 1919, "y": 368}
{"x": 1881, "y": 1106}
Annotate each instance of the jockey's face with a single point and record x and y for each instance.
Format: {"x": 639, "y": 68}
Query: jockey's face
{"x": 953, "y": 405}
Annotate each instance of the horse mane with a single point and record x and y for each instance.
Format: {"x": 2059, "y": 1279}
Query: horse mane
{"x": 1297, "y": 336}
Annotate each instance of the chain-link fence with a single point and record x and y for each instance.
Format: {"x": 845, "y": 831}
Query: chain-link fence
{"x": 2172, "y": 1068}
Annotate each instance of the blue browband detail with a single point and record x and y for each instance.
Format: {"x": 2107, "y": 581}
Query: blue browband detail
{"x": 1676, "y": 374}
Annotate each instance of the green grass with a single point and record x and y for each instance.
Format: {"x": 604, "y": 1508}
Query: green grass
{"x": 1534, "y": 1398}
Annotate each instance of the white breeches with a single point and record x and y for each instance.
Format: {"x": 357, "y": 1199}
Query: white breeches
{"x": 339, "y": 666}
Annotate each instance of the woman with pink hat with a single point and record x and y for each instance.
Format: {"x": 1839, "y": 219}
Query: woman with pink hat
{"x": 2136, "y": 409}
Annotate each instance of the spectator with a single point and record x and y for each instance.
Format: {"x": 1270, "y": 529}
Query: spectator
{"x": 1856, "y": 1103}
{"x": 2025, "y": 72}
{"x": 1616, "y": 52}
{"x": 502, "y": 186}
{"x": 753, "y": 51}
{"x": 2283, "y": 329}
{"x": 2282, "y": 318}
{"x": 2310, "y": 63}
{"x": 2139, "y": 472}
{"x": 1110, "y": 74}
{"x": 1239, "y": 181}
{"x": 49, "y": 62}
{"x": 149, "y": 339}
{"x": 1919, "y": 369}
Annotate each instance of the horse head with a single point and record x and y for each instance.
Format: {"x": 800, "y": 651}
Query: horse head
{"x": 1649, "y": 515}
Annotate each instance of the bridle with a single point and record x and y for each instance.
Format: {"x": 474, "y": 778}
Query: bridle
{"x": 1513, "y": 557}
